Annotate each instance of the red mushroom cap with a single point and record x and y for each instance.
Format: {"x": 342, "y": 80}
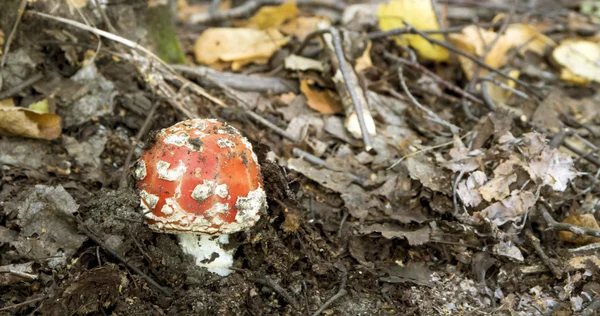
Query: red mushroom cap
{"x": 200, "y": 176}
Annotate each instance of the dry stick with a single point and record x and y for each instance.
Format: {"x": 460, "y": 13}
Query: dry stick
{"x": 24, "y": 84}
{"x": 434, "y": 76}
{"x": 442, "y": 26}
{"x": 351, "y": 84}
{"x": 238, "y": 81}
{"x": 138, "y": 137}
{"x": 543, "y": 206}
{"x": 279, "y": 289}
{"x": 430, "y": 114}
{"x": 586, "y": 248}
{"x": 320, "y": 162}
{"x": 20, "y": 12}
{"x": 5, "y": 308}
{"x": 251, "y": 7}
{"x": 535, "y": 242}
{"x": 342, "y": 291}
{"x": 473, "y": 59}
{"x": 232, "y": 94}
{"x": 410, "y": 30}
{"x": 84, "y": 229}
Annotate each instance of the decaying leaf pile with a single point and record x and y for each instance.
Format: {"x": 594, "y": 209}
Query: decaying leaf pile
{"x": 420, "y": 157}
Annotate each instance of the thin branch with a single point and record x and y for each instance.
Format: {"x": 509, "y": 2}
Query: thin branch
{"x": 5, "y": 308}
{"x": 279, "y": 289}
{"x": 341, "y": 292}
{"x": 24, "y": 84}
{"x": 434, "y": 76}
{"x": 535, "y": 242}
{"x": 84, "y": 229}
{"x": 543, "y": 206}
{"x": 141, "y": 132}
{"x": 430, "y": 114}
{"x": 320, "y": 162}
{"x": 11, "y": 36}
{"x": 410, "y": 30}
{"x": 473, "y": 59}
{"x": 351, "y": 86}
{"x": 250, "y": 7}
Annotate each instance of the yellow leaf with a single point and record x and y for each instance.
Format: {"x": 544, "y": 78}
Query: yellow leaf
{"x": 474, "y": 40}
{"x": 77, "y": 4}
{"x": 237, "y": 45}
{"x": 17, "y": 121}
{"x": 498, "y": 94}
{"x": 364, "y": 62}
{"x": 272, "y": 16}
{"x": 582, "y": 220}
{"x": 302, "y": 26}
{"x": 40, "y": 106}
{"x": 580, "y": 58}
{"x": 323, "y": 102}
{"x": 420, "y": 14}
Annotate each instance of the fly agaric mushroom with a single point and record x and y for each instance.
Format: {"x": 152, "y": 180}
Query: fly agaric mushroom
{"x": 201, "y": 180}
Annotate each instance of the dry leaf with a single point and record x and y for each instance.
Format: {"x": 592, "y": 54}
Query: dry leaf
{"x": 302, "y": 26}
{"x": 420, "y": 14}
{"x": 582, "y": 220}
{"x": 185, "y": 10}
{"x": 364, "y": 62}
{"x": 389, "y": 230}
{"x": 237, "y": 45}
{"x": 509, "y": 209}
{"x": 579, "y": 59}
{"x": 17, "y": 121}
{"x": 468, "y": 190}
{"x": 473, "y": 40}
{"x": 271, "y": 16}
{"x": 323, "y": 102}
{"x": 299, "y": 63}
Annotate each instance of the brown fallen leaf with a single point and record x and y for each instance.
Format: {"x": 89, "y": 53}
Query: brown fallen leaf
{"x": 302, "y": 26}
{"x": 364, "y": 61}
{"x": 474, "y": 40}
{"x": 323, "y": 102}
{"x": 185, "y": 10}
{"x": 582, "y": 220}
{"x": 17, "y": 121}
{"x": 578, "y": 58}
{"x": 271, "y": 16}
{"x": 239, "y": 46}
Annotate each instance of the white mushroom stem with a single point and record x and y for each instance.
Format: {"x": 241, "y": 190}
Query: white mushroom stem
{"x": 208, "y": 251}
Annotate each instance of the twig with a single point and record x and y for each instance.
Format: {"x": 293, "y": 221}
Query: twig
{"x": 84, "y": 229}
{"x": 22, "y": 85}
{"x": 442, "y": 26}
{"x": 138, "y": 137}
{"x": 430, "y": 114}
{"x": 350, "y": 80}
{"x": 592, "y": 308}
{"x": 426, "y": 150}
{"x": 279, "y": 289}
{"x": 234, "y": 95}
{"x": 341, "y": 292}
{"x": 239, "y": 81}
{"x": 473, "y": 59}
{"x": 11, "y": 36}
{"x": 434, "y": 76}
{"x": 586, "y": 248}
{"x": 543, "y": 206}
{"x": 5, "y": 308}
{"x": 320, "y": 162}
{"x": 410, "y": 30}
{"x": 535, "y": 242}
{"x": 250, "y": 7}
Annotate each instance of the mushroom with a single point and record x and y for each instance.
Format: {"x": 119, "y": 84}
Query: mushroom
{"x": 201, "y": 180}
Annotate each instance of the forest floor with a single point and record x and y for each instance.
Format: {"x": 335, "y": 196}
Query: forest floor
{"x": 473, "y": 191}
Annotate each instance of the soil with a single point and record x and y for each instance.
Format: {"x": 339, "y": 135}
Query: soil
{"x": 71, "y": 228}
